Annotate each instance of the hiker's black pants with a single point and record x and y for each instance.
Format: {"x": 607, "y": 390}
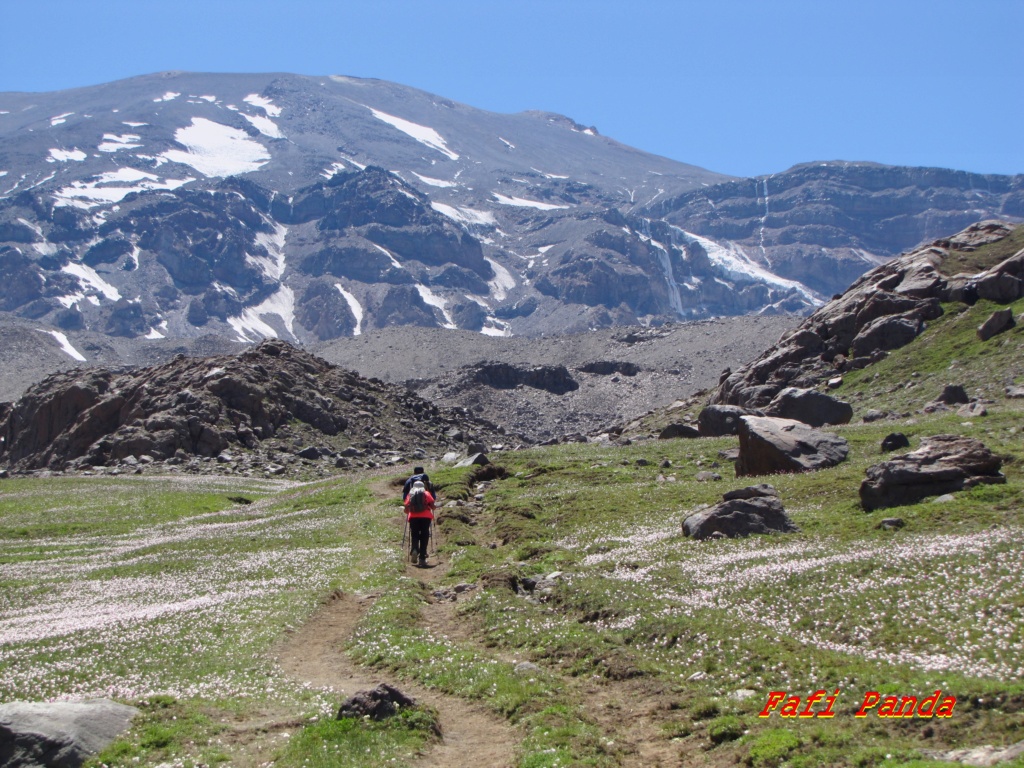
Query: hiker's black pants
{"x": 419, "y": 528}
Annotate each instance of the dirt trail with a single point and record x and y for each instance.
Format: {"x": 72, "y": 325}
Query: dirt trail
{"x": 472, "y": 736}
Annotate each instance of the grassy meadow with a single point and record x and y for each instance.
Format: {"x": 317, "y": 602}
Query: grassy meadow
{"x": 171, "y": 593}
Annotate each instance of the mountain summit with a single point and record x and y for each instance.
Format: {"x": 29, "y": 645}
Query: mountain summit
{"x": 310, "y": 208}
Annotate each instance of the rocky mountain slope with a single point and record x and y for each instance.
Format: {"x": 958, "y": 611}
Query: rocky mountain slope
{"x": 559, "y": 386}
{"x": 181, "y": 205}
{"x": 886, "y": 310}
{"x": 261, "y": 411}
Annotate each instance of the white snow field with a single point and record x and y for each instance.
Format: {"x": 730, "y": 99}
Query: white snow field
{"x": 215, "y": 149}
{"x": 424, "y": 135}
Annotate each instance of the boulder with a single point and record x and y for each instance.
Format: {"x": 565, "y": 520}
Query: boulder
{"x": 720, "y": 420}
{"x": 999, "y": 321}
{"x": 735, "y": 518}
{"x": 770, "y": 445}
{"x": 953, "y": 394}
{"x": 809, "y": 406}
{"x": 751, "y": 492}
{"x": 999, "y": 286}
{"x": 894, "y": 441}
{"x": 887, "y": 333}
{"x": 673, "y": 431}
{"x": 477, "y": 459}
{"x": 942, "y": 464}
{"x": 972, "y": 410}
{"x": 61, "y": 734}
{"x": 377, "y": 703}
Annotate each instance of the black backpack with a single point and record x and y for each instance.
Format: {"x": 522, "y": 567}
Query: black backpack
{"x": 423, "y": 478}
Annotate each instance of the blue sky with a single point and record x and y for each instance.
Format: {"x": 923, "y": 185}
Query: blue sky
{"x": 744, "y": 87}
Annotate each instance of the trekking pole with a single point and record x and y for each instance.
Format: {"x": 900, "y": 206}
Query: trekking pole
{"x": 405, "y": 530}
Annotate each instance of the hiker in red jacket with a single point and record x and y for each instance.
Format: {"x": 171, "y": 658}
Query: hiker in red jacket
{"x": 419, "y": 509}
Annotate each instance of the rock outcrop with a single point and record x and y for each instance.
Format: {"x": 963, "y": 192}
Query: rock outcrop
{"x": 755, "y": 509}
{"x": 378, "y": 703}
{"x": 942, "y": 464}
{"x": 551, "y": 378}
{"x": 999, "y": 321}
{"x": 771, "y": 445}
{"x": 887, "y": 308}
{"x": 720, "y": 420}
{"x": 809, "y": 406}
{"x": 203, "y": 406}
{"x": 62, "y": 734}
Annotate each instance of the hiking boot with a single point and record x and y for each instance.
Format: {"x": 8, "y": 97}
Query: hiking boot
{"x": 413, "y": 557}
{"x": 422, "y": 563}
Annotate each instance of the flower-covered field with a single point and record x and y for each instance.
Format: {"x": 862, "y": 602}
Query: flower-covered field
{"x": 141, "y": 587}
{"x": 152, "y": 590}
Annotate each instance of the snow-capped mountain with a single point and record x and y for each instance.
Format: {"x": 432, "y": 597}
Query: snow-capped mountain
{"x": 308, "y": 208}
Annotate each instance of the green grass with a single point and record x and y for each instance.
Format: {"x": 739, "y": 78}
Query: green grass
{"x": 971, "y": 262}
{"x": 352, "y": 743}
{"x": 948, "y": 352}
{"x": 203, "y": 587}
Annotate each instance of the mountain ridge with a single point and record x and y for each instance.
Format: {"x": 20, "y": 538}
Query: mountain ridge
{"x": 252, "y": 206}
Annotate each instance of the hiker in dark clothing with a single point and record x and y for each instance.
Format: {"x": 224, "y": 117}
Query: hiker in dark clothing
{"x": 418, "y": 474}
{"x": 419, "y": 509}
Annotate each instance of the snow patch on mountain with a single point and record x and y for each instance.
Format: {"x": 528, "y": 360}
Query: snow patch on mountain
{"x": 732, "y": 259}
{"x": 520, "y": 202}
{"x": 215, "y": 149}
{"x": 112, "y": 187}
{"x": 169, "y": 96}
{"x": 90, "y": 277}
{"x": 250, "y": 325}
{"x": 503, "y": 281}
{"x": 60, "y": 119}
{"x": 468, "y": 216}
{"x": 64, "y": 155}
{"x": 65, "y": 345}
{"x": 264, "y": 125}
{"x": 495, "y": 327}
{"x": 431, "y": 298}
{"x": 263, "y": 103}
{"x": 435, "y": 182}
{"x": 157, "y": 332}
{"x": 424, "y": 135}
{"x": 272, "y": 265}
{"x": 548, "y": 175}
{"x": 113, "y": 143}
{"x": 394, "y": 262}
{"x": 355, "y": 306}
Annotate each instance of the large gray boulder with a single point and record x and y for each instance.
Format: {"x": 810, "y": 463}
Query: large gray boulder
{"x": 770, "y": 445}
{"x": 809, "y": 406}
{"x": 887, "y": 333}
{"x": 720, "y": 420}
{"x": 735, "y": 518}
{"x": 61, "y": 734}
{"x": 999, "y": 321}
{"x": 676, "y": 430}
{"x": 942, "y": 464}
